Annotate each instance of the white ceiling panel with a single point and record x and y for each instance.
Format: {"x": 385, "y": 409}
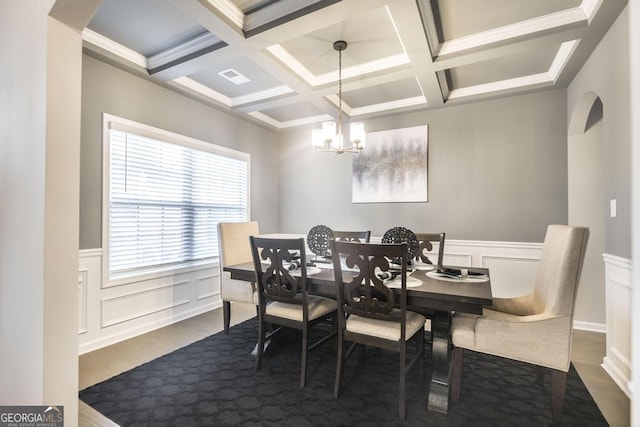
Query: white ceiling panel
{"x": 520, "y": 64}
{"x": 315, "y": 49}
{"x": 388, "y": 92}
{"x": 145, "y": 26}
{"x": 464, "y": 17}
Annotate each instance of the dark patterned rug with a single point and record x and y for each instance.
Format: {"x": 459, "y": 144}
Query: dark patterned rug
{"x": 213, "y": 382}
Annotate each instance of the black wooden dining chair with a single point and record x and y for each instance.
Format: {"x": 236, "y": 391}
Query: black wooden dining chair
{"x": 425, "y": 245}
{"x": 370, "y": 313}
{"x": 352, "y": 236}
{"x": 283, "y": 299}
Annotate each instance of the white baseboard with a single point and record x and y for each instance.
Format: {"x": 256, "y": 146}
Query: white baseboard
{"x": 591, "y": 327}
{"x": 617, "y": 376}
{"x": 109, "y": 339}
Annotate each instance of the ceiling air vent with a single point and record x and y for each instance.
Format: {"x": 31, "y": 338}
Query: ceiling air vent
{"x": 234, "y": 76}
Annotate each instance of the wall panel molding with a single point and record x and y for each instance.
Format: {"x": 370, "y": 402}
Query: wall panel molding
{"x": 208, "y": 286}
{"x": 134, "y": 305}
{"x": 618, "y": 288}
{"x": 82, "y": 301}
{"x": 113, "y": 314}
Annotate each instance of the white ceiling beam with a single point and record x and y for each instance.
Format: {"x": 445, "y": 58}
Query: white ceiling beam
{"x": 417, "y": 48}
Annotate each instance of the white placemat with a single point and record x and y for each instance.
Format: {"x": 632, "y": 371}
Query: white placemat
{"x": 423, "y": 266}
{"x": 470, "y": 279}
{"x": 412, "y": 282}
{"x": 296, "y": 272}
{"x": 310, "y": 271}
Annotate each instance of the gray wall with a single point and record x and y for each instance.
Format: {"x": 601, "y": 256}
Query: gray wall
{"x": 497, "y": 171}
{"x": 606, "y": 73}
{"x": 108, "y": 89}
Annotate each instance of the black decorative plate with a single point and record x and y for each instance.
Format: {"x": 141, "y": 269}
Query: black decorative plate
{"x": 318, "y": 240}
{"x": 402, "y": 235}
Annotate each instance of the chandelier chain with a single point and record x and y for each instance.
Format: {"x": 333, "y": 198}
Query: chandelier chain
{"x": 340, "y": 92}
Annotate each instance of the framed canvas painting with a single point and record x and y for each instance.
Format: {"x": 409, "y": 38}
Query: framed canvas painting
{"x": 393, "y": 167}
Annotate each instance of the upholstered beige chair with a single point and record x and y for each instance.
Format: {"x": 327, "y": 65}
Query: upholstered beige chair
{"x": 234, "y": 248}
{"x": 535, "y": 328}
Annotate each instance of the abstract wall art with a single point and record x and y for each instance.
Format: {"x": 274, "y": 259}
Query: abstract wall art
{"x": 393, "y": 167}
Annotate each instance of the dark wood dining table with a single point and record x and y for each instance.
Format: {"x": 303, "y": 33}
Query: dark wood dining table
{"x": 438, "y": 297}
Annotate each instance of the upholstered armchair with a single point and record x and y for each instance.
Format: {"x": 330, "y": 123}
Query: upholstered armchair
{"x": 234, "y": 248}
{"x": 535, "y": 328}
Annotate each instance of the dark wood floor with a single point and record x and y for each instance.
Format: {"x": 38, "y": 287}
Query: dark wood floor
{"x": 588, "y": 352}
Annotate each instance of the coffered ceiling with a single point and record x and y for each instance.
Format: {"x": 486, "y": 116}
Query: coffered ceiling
{"x": 273, "y": 62}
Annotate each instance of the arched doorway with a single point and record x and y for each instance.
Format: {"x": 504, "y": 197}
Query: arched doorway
{"x": 587, "y": 205}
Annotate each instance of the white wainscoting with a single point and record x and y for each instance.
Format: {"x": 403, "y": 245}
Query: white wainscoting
{"x": 112, "y": 314}
{"x": 108, "y": 315}
{"x": 513, "y": 265}
{"x": 617, "y": 361}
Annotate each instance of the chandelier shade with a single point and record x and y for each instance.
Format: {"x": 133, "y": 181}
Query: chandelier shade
{"x": 330, "y": 136}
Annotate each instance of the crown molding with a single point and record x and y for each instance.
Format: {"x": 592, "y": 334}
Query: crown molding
{"x": 362, "y": 69}
{"x": 354, "y": 71}
{"x": 203, "y": 90}
{"x": 264, "y": 94}
{"x": 290, "y": 123}
{"x": 391, "y": 105}
{"x": 513, "y": 31}
{"x": 230, "y": 11}
{"x": 562, "y": 58}
{"x": 555, "y": 69}
{"x": 590, "y": 8}
{"x": 176, "y": 53}
{"x": 113, "y": 47}
{"x": 275, "y": 11}
{"x": 518, "y": 82}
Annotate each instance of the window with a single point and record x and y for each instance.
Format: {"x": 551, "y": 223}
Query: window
{"x": 164, "y": 197}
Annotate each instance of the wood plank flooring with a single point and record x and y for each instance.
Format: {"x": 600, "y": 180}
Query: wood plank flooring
{"x": 99, "y": 365}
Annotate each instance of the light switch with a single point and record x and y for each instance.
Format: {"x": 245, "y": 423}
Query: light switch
{"x": 613, "y": 208}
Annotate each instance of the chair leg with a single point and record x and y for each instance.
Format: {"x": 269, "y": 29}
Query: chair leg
{"x": 456, "y": 374}
{"x": 305, "y": 352}
{"x": 420, "y": 349}
{"x": 403, "y": 377}
{"x": 226, "y": 315}
{"x": 558, "y": 388}
{"x": 261, "y": 338}
{"x": 339, "y": 366}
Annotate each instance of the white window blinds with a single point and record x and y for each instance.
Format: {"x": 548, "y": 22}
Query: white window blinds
{"x": 165, "y": 201}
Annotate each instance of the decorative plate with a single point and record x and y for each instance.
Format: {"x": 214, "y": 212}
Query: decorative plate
{"x": 402, "y": 235}
{"x": 318, "y": 240}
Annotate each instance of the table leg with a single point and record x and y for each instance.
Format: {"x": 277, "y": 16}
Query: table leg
{"x": 440, "y": 362}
